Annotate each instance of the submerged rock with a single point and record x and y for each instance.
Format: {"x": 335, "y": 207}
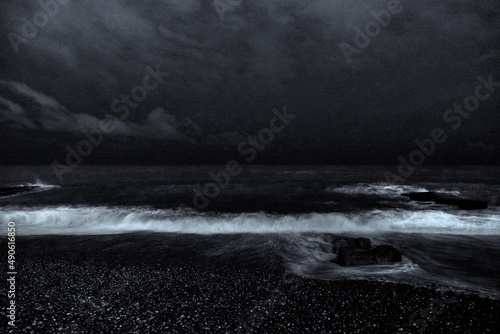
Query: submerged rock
{"x": 7, "y": 191}
{"x": 464, "y": 204}
{"x": 421, "y": 196}
{"x": 351, "y": 243}
{"x": 358, "y": 252}
{"x": 468, "y": 204}
{"x": 378, "y": 255}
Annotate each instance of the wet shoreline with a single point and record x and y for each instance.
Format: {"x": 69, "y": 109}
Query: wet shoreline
{"x": 127, "y": 284}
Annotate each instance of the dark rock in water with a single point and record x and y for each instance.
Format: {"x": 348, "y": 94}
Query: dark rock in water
{"x": 351, "y": 243}
{"x": 358, "y": 252}
{"x": 448, "y": 200}
{"x": 422, "y": 196}
{"x": 465, "y": 204}
{"x": 364, "y": 243}
{"x": 386, "y": 254}
{"x": 6, "y": 191}
{"x": 468, "y": 204}
{"x": 378, "y": 255}
{"x": 346, "y": 257}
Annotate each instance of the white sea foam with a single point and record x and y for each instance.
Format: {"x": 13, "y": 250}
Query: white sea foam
{"x": 100, "y": 220}
{"x": 384, "y": 189}
{"x": 378, "y": 189}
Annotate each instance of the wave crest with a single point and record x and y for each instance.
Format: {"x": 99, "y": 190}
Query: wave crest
{"x": 103, "y": 220}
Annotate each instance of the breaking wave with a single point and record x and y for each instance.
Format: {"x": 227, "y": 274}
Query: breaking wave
{"x": 103, "y": 220}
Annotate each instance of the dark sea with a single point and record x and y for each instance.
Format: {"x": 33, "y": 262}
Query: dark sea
{"x": 292, "y": 212}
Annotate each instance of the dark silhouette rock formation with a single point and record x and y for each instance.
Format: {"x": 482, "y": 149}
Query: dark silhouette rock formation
{"x": 358, "y": 252}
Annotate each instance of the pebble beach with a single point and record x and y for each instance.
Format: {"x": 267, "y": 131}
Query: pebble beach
{"x": 135, "y": 283}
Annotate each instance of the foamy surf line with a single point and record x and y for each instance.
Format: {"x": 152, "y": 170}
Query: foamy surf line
{"x": 104, "y": 220}
{"x": 383, "y": 189}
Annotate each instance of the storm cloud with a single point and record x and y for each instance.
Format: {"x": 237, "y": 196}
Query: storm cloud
{"x": 226, "y": 75}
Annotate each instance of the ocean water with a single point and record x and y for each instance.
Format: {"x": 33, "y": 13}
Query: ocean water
{"x": 293, "y": 212}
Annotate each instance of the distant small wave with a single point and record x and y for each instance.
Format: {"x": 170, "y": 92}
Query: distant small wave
{"x": 379, "y": 189}
{"x": 38, "y": 183}
{"x": 26, "y": 188}
{"x": 383, "y": 189}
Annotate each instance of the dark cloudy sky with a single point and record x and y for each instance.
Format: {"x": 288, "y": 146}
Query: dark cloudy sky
{"x": 226, "y": 76}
